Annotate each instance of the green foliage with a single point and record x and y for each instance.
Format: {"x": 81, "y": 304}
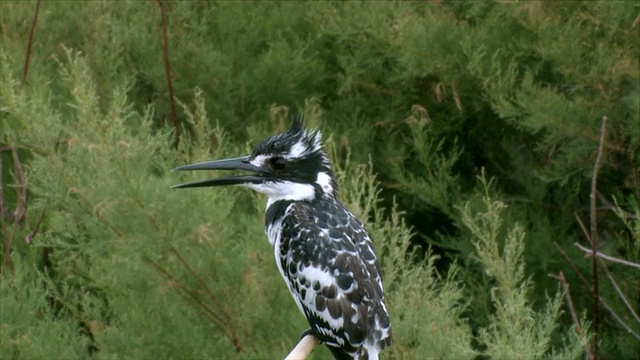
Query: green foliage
{"x": 411, "y": 288}
{"x": 31, "y": 327}
{"x": 426, "y": 94}
{"x": 515, "y": 329}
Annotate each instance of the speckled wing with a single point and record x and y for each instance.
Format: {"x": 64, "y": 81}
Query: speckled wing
{"x": 327, "y": 259}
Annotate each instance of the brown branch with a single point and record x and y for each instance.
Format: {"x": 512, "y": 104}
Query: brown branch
{"x": 572, "y": 310}
{"x": 167, "y": 68}
{"x": 27, "y": 54}
{"x": 594, "y": 235}
{"x": 584, "y": 228}
{"x": 573, "y": 266}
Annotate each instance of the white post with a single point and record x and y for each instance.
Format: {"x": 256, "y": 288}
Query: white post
{"x": 303, "y": 348}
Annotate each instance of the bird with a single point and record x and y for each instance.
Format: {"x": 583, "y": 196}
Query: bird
{"x": 322, "y": 251}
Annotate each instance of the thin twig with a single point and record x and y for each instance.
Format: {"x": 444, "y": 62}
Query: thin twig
{"x": 572, "y": 310}
{"x": 29, "y": 238}
{"x": 588, "y": 286}
{"x": 225, "y": 315}
{"x": 21, "y": 209}
{"x": 600, "y": 255}
{"x": 212, "y": 315}
{"x": 3, "y": 206}
{"x": 167, "y": 68}
{"x": 27, "y": 54}
{"x": 573, "y": 266}
{"x": 303, "y": 348}
{"x": 625, "y": 215}
{"x": 594, "y": 235}
{"x": 620, "y": 293}
{"x": 584, "y": 228}
{"x": 619, "y": 320}
{"x": 221, "y": 320}
{"x": 21, "y": 205}
{"x": 635, "y": 22}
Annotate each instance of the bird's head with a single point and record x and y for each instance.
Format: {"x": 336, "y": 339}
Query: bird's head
{"x": 286, "y": 166}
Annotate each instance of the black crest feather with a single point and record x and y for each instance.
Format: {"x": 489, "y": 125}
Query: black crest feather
{"x": 297, "y": 124}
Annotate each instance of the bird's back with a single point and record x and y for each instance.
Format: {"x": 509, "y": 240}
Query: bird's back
{"x": 326, "y": 258}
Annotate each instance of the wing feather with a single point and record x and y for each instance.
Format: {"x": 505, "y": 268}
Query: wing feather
{"x": 327, "y": 259}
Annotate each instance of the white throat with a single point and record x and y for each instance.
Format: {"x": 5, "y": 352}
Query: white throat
{"x": 284, "y": 190}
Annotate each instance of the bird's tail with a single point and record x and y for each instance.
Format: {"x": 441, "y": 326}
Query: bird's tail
{"x": 363, "y": 353}
{"x": 340, "y": 354}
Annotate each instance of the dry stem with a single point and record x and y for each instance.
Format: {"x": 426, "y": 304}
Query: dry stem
{"x": 167, "y": 68}
{"x": 594, "y": 235}
{"x": 27, "y": 54}
{"x": 565, "y": 285}
{"x": 588, "y": 286}
{"x": 20, "y": 212}
{"x": 613, "y": 259}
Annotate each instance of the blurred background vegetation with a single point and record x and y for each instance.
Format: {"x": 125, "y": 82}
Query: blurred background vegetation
{"x": 464, "y": 133}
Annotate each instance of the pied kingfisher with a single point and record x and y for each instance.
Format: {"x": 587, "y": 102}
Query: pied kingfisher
{"x": 322, "y": 250}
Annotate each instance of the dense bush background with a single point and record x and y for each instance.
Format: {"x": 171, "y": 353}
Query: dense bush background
{"x": 415, "y": 100}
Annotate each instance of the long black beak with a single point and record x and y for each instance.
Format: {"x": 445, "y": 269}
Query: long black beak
{"x": 242, "y": 164}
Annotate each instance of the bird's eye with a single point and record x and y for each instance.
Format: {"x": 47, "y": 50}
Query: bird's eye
{"x": 278, "y": 163}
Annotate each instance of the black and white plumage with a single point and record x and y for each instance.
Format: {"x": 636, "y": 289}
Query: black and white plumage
{"x": 322, "y": 250}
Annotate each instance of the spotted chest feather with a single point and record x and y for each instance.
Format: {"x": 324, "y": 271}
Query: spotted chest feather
{"x": 326, "y": 258}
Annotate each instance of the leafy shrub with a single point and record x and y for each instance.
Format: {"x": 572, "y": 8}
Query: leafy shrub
{"x": 428, "y": 94}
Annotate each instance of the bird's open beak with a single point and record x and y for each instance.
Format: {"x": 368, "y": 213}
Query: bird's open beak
{"x": 241, "y": 164}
